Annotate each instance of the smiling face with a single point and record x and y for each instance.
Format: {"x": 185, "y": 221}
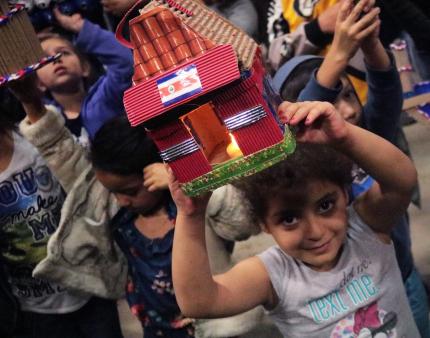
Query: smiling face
{"x": 130, "y": 192}
{"x": 65, "y": 74}
{"x": 310, "y": 224}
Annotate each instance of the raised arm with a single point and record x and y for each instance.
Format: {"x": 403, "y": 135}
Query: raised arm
{"x": 104, "y": 100}
{"x": 381, "y": 114}
{"x": 118, "y": 60}
{"x": 199, "y": 294}
{"x": 384, "y": 102}
{"x": 308, "y": 38}
{"x": 384, "y": 203}
{"x": 351, "y": 29}
{"x": 44, "y": 128}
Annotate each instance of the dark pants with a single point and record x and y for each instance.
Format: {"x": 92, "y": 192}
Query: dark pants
{"x": 96, "y": 319}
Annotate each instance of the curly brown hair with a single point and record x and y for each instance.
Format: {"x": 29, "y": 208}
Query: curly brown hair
{"x": 309, "y": 162}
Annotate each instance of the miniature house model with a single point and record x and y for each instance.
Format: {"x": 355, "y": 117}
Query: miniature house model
{"x": 199, "y": 87}
{"x": 20, "y": 50}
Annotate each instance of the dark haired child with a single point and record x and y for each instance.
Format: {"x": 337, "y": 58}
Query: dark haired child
{"x": 143, "y": 227}
{"x": 333, "y": 270}
{"x": 85, "y": 108}
{"x": 31, "y": 199}
{"x": 314, "y": 78}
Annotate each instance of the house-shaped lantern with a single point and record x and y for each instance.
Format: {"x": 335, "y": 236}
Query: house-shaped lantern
{"x": 200, "y": 89}
{"x": 20, "y": 50}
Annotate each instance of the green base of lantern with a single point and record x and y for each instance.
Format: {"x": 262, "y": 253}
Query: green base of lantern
{"x": 241, "y": 167}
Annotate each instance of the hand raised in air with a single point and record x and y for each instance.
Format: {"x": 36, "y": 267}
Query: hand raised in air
{"x": 316, "y": 122}
{"x": 187, "y": 206}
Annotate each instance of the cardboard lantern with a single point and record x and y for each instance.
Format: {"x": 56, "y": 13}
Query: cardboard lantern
{"x": 200, "y": 89}
{"x": 20, "y": 50}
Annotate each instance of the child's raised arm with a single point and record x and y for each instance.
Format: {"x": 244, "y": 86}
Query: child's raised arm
{"x": 381, "y": 113}
{"x": 198, "y": 293}
{"x": 104, "y": 100}
{"x": 351, "y": 29}
{"x": 374, "y": 52}
{"x": 45, "y": 129}
{"x": 28, "y": 93}
{"x": 382, "y": 205}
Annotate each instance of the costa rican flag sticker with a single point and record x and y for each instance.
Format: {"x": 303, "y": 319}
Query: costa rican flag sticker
{"x": 180, "y": 85}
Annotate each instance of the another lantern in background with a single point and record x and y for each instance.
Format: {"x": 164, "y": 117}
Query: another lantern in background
{"x": 20, "y": 50}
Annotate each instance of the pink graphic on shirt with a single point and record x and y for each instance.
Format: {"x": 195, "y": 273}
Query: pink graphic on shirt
{"x": 366, "y": 317}
{"x": 367, "y": 322}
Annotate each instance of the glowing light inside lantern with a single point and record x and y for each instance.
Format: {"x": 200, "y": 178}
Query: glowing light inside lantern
{"x": 233, "y": 149}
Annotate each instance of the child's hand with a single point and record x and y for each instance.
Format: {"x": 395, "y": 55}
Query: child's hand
{"x": 353, "y": 25}
{"x": 373, "y": 38}
{"x": 72, "y": 23}
{"x": 187, "y": 206}
{"x": 375, "y": 54}
{"x": 155, "y": 177}
{"x": 26, "y": 90}
{"x": 317, "y": 122}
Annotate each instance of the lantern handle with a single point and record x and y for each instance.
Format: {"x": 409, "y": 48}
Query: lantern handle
{"x": 174, "y": 4}
{"x": 119, "y": 30}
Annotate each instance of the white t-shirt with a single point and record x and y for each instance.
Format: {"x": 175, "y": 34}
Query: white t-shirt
{"x": 362, "y": 296}
{"x": 30, "y": 203}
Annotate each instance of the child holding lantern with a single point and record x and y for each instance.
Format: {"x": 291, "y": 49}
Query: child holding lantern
{"x": 30, "y": 202}
{"x": 326, "y": 276}
{"x": 30, "y": 205}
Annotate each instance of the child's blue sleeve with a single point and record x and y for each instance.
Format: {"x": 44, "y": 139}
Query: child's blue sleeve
{"x": 313, "y": 91}
{"x": 105, "y": 98}
{"x": 381, "y": 114}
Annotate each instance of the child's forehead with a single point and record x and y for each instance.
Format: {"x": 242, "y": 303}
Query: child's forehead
{"x": 304, "y": 194}
{"x": 56, "y": 43}
{"x": 116, "y": 182}
{"x": 291, "y": 196}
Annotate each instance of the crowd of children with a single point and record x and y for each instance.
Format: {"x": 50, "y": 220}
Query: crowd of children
{"x": 89, "y": 213}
